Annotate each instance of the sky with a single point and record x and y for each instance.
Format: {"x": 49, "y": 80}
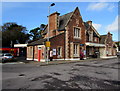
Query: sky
{"x": 104, "y": 15}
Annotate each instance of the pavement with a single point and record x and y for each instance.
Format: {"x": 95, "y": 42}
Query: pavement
{"x": 23, "y": 60}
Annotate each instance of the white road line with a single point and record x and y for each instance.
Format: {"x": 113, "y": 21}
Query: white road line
{"x": 12, "y": 63}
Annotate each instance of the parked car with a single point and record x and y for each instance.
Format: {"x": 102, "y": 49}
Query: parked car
{"x": 6, "y": 57}
{"x": 118, "y": 54}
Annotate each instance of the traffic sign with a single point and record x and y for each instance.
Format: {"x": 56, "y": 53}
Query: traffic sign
{"x": 47, "y": 44}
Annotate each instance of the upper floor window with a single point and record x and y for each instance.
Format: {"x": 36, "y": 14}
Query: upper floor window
{"x": 76, "y": 32}
{"x": 95, "y": 39}
{"x": 91, "y": 36}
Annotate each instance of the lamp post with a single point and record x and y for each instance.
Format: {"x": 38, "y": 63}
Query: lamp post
{"x": 48, "y": 41}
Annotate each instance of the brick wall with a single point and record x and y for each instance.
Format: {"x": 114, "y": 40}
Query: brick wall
{"x": 110, "y": 45}
{"x": 30, "y": 52}
{"x": 95, "y": 38}
{"x": 35, "y": 52}
{"x": 109, "y": 39}
{"x": 57, "y": 41}
{"x": 75, "y": 21}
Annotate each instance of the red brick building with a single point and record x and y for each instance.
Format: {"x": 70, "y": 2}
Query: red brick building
{"x": 110, "y": 46}
{"x": 93, "y": 44}
{"x": 98, "y": 45}
{"x": 68, "y": 35}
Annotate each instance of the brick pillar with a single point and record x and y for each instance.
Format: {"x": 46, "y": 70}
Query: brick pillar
{"x": 71, "y": 50}
{"x": 66, "y": 45}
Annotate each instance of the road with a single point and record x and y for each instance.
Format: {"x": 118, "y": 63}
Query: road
{"x": 100, "y": 74}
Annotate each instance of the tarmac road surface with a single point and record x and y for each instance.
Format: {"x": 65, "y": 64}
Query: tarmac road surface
{"x": 100, "y": 74}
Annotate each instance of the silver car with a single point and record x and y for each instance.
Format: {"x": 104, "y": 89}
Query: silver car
{"x": 6, "y": 57}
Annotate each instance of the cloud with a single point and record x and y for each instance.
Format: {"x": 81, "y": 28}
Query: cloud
{"x": 97, "y": 6}
{"x": 114, "y": 26}
{"x": 100, "y": 6}
{"x": 97, "y": 26}
{"x": 111, "y": 7}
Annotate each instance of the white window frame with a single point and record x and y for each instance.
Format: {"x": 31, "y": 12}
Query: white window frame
{"x": 95, "y": 39}
{"x": 59, "y": 51}
{"x": 77, "y": 32}
{"x": 76, "y": 50}
{"x": 91, "y": 36}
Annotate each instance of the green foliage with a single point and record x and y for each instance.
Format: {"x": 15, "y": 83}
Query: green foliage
{"x": 13, "y": 32}
{"x": 36, "y": 32}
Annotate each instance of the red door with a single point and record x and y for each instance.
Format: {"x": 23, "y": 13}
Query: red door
{"x": 39, "y": 55}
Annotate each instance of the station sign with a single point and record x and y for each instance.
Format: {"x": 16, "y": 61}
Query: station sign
{"x": 82, "y": 44}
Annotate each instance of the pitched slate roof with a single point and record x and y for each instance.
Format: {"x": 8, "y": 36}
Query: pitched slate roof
{"x": 62, "y": 22}
{"x": 87, "y": 26}
{"x": 41, "y": 41}
{"x": 102, "y": 39}
{"x": 37, "y": 42}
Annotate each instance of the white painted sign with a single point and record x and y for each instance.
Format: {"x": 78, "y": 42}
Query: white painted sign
{"x": 54, "y": 51}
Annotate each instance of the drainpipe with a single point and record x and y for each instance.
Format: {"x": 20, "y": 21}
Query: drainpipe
{"x": 33, "y": 53}
{"x": 64, "y": 44}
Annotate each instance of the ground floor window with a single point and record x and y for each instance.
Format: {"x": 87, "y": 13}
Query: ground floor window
{"x": 59, "y": 51}
{"x": 76, "y": 50}
{"x": 31, "y": 51}
{"x": 90, "y": 51}
{"x": 109, "y": 51}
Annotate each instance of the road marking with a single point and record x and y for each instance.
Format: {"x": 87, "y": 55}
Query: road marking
{"x": 13, "y": 63}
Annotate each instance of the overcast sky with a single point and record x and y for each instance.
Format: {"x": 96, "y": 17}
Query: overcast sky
{"x": 104, "y": 15}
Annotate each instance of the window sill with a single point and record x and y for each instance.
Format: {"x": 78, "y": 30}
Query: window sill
{"x": 59, "y": 56}
{"x": 76, "y": 55}
{"x": 77, "y": 38}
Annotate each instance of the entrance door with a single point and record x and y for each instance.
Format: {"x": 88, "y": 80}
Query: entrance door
{"x": 39, "y": 53}
{"x": 102, "y": 52}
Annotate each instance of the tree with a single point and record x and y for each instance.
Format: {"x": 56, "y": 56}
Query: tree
{"x": 12, "y": 32}
{"x": 36, "y": 32}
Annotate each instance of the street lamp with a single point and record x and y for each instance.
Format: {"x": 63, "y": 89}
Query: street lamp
{"x": 48, "y": 41}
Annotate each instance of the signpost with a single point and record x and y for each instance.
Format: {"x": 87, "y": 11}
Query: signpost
{"x": 48, "y": 42}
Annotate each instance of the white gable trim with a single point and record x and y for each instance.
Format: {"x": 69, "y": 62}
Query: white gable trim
{"x": 20, "y": 45}
{"x": 94, "y": 44}
{"x": 95, "y": 31}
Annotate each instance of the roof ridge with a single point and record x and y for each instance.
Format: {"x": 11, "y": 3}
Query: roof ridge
{"x": 67, "y": 13}
{"x": 103, "y": 35}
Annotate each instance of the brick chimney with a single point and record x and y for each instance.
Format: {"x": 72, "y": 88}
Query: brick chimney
{"x": 109, "y": 34}
{"x": 54, "y": 21}
{"x": 89, "y": 22}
